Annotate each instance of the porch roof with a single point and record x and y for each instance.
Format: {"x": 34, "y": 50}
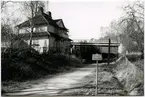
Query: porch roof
{"x": 34, "y": 35}
{"x": 42, "y": 34}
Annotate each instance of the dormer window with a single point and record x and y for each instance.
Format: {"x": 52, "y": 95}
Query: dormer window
{"x": 40, "y": 29}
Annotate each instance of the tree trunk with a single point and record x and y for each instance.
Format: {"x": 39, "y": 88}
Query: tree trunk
{"x": 30, "y": 45}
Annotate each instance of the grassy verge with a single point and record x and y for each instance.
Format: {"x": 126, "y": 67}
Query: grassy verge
{"x": 139, "y": 90}
{"x": 108, "y": 84}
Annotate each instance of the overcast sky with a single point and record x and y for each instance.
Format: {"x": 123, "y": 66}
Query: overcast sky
{"x": 85, "y": 18}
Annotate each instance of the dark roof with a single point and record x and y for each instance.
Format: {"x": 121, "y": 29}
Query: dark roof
{"x": 59, "y": 37}
{"x": 56, "y": 20}
{"x": 67, "y": 39}
{"x": 37, "y": 20}
{"x": 53, "y": 22}
{"x": 41, "y": 19}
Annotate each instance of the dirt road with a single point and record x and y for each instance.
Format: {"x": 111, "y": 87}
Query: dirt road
{"x": 62, "y": 84}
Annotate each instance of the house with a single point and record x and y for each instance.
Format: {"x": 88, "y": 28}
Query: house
{"x": 48, "y": 34}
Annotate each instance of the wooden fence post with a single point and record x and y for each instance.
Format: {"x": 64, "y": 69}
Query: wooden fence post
{"x": 109, "y": 51}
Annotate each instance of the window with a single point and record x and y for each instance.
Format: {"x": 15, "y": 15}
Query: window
{"x": 40, "y": 29}
{"x": 44, "y": 28}
{"x": 35, "y": 42}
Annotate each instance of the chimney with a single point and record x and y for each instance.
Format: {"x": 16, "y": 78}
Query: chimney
{"x": 49, "y": 14}
{"x": 40, "y": 10}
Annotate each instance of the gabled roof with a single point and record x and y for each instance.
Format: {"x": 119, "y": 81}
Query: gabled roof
{"x": 53, "y": 22}
{"x": 59, "y": 22}
{"x": 42, "y": 19}
{"x": 37, "y": 20}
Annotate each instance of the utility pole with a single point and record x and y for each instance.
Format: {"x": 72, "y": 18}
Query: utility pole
{"x": 109, "y": 51}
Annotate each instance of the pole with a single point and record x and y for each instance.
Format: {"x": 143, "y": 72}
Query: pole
{"x": 109, "y": 51}
{"x": 96, "y": 90}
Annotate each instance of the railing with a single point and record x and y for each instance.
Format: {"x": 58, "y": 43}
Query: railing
{"x": 98, "y": 44}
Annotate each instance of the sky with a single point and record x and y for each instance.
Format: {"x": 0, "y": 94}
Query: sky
{"x": 84, "y": 18}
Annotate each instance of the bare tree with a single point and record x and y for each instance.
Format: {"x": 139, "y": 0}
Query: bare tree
{"x": 31, "y": 9}
{"x": 134, "y": 23}
{"x": 7, "y": 22}
{"x": 130, "y": 25}
{"x": 4, "y": 5}
{"x": 112, "y": 31}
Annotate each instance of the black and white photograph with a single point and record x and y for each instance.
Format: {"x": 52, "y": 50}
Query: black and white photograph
{"x": 72, "y": 48}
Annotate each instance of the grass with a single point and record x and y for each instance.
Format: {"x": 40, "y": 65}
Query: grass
{"x": 108, "y": 85}
{"x": 139, "y": 63}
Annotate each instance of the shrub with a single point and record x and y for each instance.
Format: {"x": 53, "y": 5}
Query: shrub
{"x": 61, "y": 60}
{"x": 133, "y": 57}
{"x": 23, "y": 64}
{"x": 17, "y": 64}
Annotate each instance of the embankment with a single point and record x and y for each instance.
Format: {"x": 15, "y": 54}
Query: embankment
{"x": 130, "y": 76}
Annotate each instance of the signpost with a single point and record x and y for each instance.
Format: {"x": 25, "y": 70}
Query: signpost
{"x": 96, "y": 57}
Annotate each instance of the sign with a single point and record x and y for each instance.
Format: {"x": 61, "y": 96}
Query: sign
{"x": 96, "y": 57}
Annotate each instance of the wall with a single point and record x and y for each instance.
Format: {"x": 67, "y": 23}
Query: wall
{"x": 42, "y": 42}
{"x": 52, "y": 43}
{"x": 51, "y": 28}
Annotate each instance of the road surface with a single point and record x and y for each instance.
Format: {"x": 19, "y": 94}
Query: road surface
{"x": 61, "y": 84}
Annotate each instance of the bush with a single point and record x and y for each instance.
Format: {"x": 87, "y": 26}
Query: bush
{"x": 23, "y": 64}
{"x": 133, "y": 57}
{"x": 62, "y": 60}
{"x": 18, "y": 64}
